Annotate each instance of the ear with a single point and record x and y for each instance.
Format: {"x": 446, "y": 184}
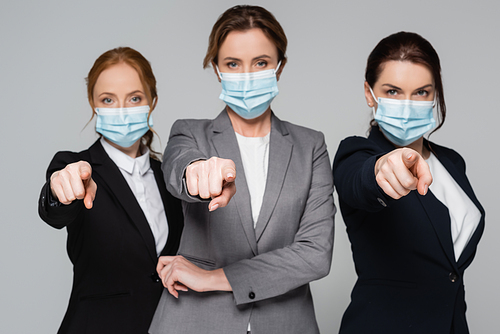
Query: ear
{"x": 368, "y": 96}
{"x": 214, "y": 67}
{"x": 282, "y": 66}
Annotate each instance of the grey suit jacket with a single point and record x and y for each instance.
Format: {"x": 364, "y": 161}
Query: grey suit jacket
{"x": 269, "y": 266}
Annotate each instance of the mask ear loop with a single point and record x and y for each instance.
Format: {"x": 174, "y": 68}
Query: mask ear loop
{"x": 277, "y": 68}
{"x": 218, "y": 72}
{"x": 373, "y": 95}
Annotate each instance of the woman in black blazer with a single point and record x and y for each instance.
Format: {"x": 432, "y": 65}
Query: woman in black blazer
{"x": 410, "y": 247}
{"x": 113, "y": 201}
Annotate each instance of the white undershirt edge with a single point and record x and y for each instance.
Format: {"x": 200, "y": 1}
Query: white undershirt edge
{"x": 141, "y": 180}
{"x": 464, "y": 214}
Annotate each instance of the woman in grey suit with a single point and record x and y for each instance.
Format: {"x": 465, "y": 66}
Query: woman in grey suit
{"x": 245, "y": 261}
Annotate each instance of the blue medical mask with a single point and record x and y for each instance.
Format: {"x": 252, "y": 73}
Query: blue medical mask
{"x": 403, "y": 121}
{"x": 123, "y": 126}
{"x": 249, "y": 94}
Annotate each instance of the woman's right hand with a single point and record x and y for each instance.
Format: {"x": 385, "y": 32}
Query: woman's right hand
{"x": 74, "y": 182}
{"x": 212, "y": 178}
{"x": 402, "y": 171}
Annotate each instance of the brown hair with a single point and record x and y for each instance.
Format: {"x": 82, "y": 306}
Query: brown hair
{"x": 137, "y": 61}
{"x": 241, "y": 18}
{"x": 407, "y": 46}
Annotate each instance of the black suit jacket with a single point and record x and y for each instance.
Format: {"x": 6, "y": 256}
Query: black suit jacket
{"x": 408, "y": 278}
{"x": 111, "y": 247}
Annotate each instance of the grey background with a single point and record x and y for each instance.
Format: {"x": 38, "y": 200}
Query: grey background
{"x": 48, "y": 47}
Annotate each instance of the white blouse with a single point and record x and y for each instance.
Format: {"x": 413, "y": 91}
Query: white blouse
{"x": 254, "y": 153}
{"x": 141, "y": 180}
{"x": 464, "y": 215}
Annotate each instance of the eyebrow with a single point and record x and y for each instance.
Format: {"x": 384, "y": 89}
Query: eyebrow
{"x": 135, "y": 92}
{"x": 105, "y": 93}
{"x": 426, "y": 86}
{"x": 131, "y": 93}
{"x": 392, "y": 86}
{"x": 397, "y": 88}
{"x": 254, "y": 58}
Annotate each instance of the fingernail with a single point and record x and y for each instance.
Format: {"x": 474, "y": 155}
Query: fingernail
{"x": 426, "y": 187}
{"x": 409, "y": 156}
{"x": 214, "y": 207}
{"x": 229, "y": 175}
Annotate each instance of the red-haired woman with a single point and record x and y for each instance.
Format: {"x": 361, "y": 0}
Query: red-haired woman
{"x": 412, "y": 218}
{"x": 245, "y": 263}
{"x": 113, "y": 201}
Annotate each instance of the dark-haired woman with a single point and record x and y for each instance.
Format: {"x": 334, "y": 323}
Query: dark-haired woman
{"x": 114, "y": 204}
{"x": 412, "y": 217}
{"x": 245, "y": 261}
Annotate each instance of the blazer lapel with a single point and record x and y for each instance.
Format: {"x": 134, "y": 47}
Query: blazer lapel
{"x": 463, "y": 182}
{"x": 226, "y": 145}
{"x": 280, "y": 152}
{"x": 439, "y": 216}
{"x": 173, "y": 211}
{"x": 113, "y": 179}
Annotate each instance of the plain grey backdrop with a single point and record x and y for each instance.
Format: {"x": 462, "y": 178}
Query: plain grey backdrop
{"x": 48, "y": 47}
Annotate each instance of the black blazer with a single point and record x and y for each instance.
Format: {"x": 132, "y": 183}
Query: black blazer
{"x": 408, "y": 278}
{"x": 111, "y": 247}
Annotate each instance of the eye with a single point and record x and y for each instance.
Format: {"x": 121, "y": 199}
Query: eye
{"x": 135, "y": 99}
{"x": 261, "y": 63}
{"x": 232, "y": 64}
{"x": 107, "y": 100}
{"x": 392, "y": 92}
{"x": 422, "y": 93}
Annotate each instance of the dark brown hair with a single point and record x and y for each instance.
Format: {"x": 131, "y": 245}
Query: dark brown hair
{"x": 137, "y": 61}
{"x": 407, "y": 46}
{"x": 241, "y": 18}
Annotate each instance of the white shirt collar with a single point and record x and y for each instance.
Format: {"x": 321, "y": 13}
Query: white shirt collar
{"x": 125, "y": 162}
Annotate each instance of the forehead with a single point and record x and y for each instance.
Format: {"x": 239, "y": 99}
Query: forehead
{"x": 118, "y": 77}
{"x": 405, "y": 74}
{"x": 247, "y": 43}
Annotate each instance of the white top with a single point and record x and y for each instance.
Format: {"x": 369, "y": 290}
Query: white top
{"x": 141, "y": 180}
{"x": 254, "y": 153}
{"x": 464, "y": 215}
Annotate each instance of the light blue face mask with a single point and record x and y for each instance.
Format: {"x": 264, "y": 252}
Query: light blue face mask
{"x": 123, "y": 126}
{"x": 403, "y": 121}
{"x": 249, "y": 94}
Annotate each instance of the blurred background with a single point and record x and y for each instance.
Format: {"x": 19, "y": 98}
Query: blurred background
{"x": 48, "y": 47}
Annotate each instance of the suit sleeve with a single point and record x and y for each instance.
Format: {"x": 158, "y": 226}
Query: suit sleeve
{"x": 53, "y": 213}
{"x": 307, "y": 259}
{"x": 354, "y": 175}
{"x": 181, "y": 150}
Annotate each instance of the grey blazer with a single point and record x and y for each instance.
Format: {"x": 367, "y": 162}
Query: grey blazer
{"x": 268, "y": 267}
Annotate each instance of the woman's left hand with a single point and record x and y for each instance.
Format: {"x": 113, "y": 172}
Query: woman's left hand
{"x": 179, "y": 274}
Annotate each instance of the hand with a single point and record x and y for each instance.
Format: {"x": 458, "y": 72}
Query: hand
{"x": 402, "y": 171}
{"x": 178, "y": 274}
{"x": 74, "y": 182}
{"x": 212, "y": 178}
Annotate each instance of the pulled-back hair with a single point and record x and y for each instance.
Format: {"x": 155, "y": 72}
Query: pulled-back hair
{"x": 242, "y": 18}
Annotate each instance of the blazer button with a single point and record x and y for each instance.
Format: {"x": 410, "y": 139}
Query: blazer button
{"x": 381, "y": 201}
{"x": 155, "y": 278}
{"x": 453, "y": 277}
{"x": 251, "y": 295}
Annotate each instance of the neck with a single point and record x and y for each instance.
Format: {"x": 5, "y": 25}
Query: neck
{"x": 133, "y": 151}
{"x": 418, "y": 145}
{"x": 256, "y": 127}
